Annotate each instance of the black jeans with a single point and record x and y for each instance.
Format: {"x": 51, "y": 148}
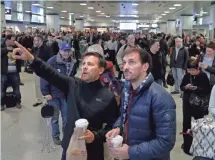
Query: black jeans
{"x": 10, "y": 79}
{"x": 63, "y": 155}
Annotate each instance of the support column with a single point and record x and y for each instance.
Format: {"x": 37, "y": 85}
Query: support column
{"x": 79, "y": 24}
{"x": 53, "y": 22}
{"x": 171, "y": 27}
{"x": 212, "y": 21}
{"x": 71, "y": 19}
{"x": 3, "y": 21}
{"x": 186, "y": 23}
{"x": 163, "y": 27}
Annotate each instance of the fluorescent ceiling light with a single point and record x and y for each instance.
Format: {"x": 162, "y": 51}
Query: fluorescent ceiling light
{"x": 163, "y": 14}
{"x": 107, "y": 16}
{"x": 90, "y": 7}
{"x": 50, "y": 7}
{"x": 102, "y": 13}
{"x": 71, "y": 13}
{"x": 204, "y": 12}
{"x": 172, "y": 8}
{"x": 64, "y": 11}
{"x": 134, "y": 4}
{"x": 28, "y": 11}
{"x": 98, "y": 11}
{"x": 177, "y": 5}
{"x": 62, "y": 17}
{"x": 166, "y": 11}
{"x": 35, "y": 4}
{"x": 81, "y": 16}
{"x": 83, "y": 4}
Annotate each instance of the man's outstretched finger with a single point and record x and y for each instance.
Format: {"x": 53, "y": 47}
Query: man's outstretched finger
{"x": 17, "y": 57}
{"x": 21, "y": 47}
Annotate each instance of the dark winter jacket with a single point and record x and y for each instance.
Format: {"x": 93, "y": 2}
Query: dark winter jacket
{"x": 182, "y": 58}
{"x": 151, "y": 123}
{"x": 44, "y": 52}
{"x": 158, "y": 65}
{"x": 91, "y": 101}
{"x": 57, "y": 63}
{"x": 4, "y": 61}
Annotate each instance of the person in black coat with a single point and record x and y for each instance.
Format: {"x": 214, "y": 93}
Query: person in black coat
{"x": 10, "y": 74}
{"x": 42, "y": 51}
{"x": 53, "y": 44}
{"x": 86, "y": 98}
{"x": 197, "y": 82}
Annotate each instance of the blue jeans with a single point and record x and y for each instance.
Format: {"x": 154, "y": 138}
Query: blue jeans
{"x": 59, "y": 105}
{"x": 10, "y": 79}
{"x": 178, "y": 75}
{"x": 159, "y": 81}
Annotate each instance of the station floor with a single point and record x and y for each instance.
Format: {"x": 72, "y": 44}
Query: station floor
{"x": 23, "y": 130}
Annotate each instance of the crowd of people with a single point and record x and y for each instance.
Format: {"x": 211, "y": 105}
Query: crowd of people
{"x": 122, "y": 84}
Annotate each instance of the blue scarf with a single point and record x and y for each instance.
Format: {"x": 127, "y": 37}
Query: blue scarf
{"x": 127, "y": 93}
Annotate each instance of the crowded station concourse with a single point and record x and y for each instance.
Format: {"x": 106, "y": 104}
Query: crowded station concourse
{"x": 95, "y": 82}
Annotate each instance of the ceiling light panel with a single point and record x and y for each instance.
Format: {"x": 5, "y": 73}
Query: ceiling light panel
{"x": 166, "y": 12}
{"x": 98, "y": 11}
{"x": 64, "y": 11}
{"x": 163, "y": 14}
{"x": 134, "y": 4}
{"x": 50, "y": 7}
{"x": 177, "y": 5}
{"x": 90, "y": 7}
{"x": 172, "y": 8}
{"x": 83, "y": 4}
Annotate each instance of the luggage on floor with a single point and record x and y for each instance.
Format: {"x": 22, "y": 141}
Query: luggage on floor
{"x": 170, "y": 80}
{"x": 203, "y": 144}
{"x": 10, "y": 100}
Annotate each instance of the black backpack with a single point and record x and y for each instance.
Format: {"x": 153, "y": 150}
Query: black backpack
{"x": 10, "y": 100}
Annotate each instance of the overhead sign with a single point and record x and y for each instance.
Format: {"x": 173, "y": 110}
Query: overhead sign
{"x": 7, "y": 11}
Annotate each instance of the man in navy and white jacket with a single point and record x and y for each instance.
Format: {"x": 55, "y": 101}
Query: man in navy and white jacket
{"x": 65, "y": 64}
{"x": 148, "y": 118}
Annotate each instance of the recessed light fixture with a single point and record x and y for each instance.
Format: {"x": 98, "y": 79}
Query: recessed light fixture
{"x": 98, "y": 11}
{"x": 134, "y": 4}
{"x": 107, "y": 16}
{"x": 50, "y": 7}
{"x": 172, "y": 8}
{"x": 177, "y": 5}
{"x": 28, "y": 11}
{"x": 204, "y": 12}
{"x": 90, "y": 7}
{"x": 81, "y": 16}
{"x": 102, "y": 13}
{"x": 35, "y": 4}
{"x": 71, "y": 13}
{"x": 62, "y": 17}
{"x": 163, "y": 14}
{"x": 64, "y": 11}
{"x": 166, "y": 11}
{"x": 83, "y": 4}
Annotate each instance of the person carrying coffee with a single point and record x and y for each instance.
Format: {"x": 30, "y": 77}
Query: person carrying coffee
{"x": 86, "y": 98}
{"x": 148, "y": 117}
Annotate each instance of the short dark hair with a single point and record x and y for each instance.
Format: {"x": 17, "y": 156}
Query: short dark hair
{"x": 211, "y": 45}
{"x": 102, "y": 61}
{"x": 153, "y": 41}
{"x": 145, "y": 57}
{"x": 39, "y": 36}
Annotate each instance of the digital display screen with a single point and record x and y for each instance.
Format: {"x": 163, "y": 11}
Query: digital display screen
{"x": 128, "y": 26}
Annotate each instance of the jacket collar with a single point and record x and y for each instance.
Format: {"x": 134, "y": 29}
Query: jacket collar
{"x": 144, "y": 85}
{"x": 59, "y": 60}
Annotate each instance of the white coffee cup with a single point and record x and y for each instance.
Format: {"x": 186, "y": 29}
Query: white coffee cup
{"x": 117, "y": 141}
{"x": 82, "y": 123}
